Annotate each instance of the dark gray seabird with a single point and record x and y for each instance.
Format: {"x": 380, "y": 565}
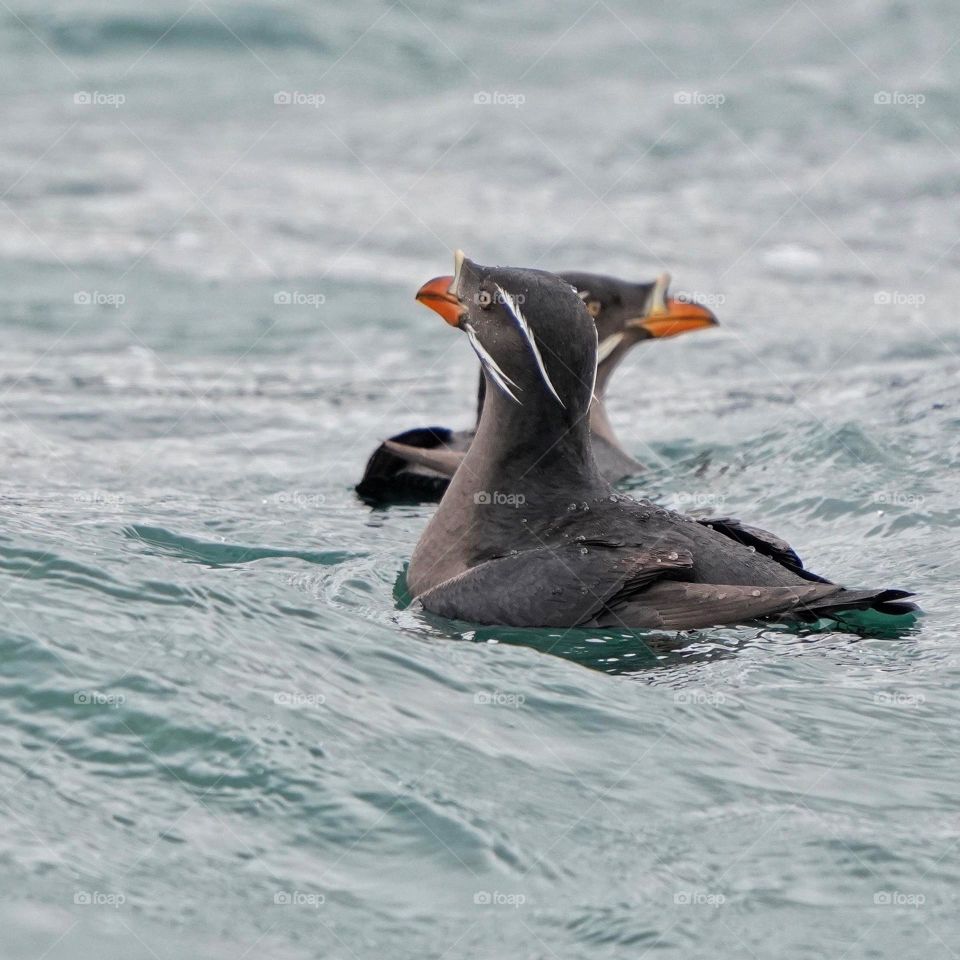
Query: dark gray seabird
{"x": 529, "y": 534}
{"x": 417, "y": 465}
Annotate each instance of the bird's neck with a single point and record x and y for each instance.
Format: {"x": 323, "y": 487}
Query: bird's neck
{"x": 525, "y": 463}
{"x": 609, "y": 364}
{"x": 538, "y": 444}
{"x": 531, "y": 460}
{"x": 600, "y": 425}
{"x": 599, "y": 420}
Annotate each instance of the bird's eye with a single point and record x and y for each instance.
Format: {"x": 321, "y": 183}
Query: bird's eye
{"x": 484, "y": 298}
{"x": 593, "y": 308}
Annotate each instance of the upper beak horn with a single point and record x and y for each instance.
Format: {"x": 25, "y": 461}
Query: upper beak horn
{"x": 658, "y": 300}
{"x": 669, "y": 317}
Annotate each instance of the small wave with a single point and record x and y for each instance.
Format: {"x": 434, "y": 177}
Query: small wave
{"x": 25, "y": 565}
{"x": 618, "y": 925}
{"x": 226, "y": 554}
{"x": 236, "y": 29}
{"x": 440, "y": 827}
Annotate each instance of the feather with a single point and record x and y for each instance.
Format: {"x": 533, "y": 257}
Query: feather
{"x": 514, "y": 309}
{"x": 608, "y": 346}
{"x": 596, "y": 367}
{"x": 491, "y": 365}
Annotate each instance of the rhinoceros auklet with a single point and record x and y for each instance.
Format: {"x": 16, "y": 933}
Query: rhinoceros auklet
{"x": 529, "y": 533}
{"x": 417, "y": 465}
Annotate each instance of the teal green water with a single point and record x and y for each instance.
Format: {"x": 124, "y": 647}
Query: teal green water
{"x": 223, "y": 733}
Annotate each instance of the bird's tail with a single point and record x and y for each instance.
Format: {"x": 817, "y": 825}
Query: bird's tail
{"x": 864, "y": 611}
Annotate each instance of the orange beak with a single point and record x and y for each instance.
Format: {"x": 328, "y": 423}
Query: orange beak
{"x": 436, "y": 295}
{"x": 679, "y": 317}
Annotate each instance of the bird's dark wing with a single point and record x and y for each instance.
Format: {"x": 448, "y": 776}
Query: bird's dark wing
{"x": 389, "y": 478}
{"x": 673, "y": 605}
{"x": 763, "y": 542}
{"x": 889, "y": 602}
{"x": 440, "y": 459}
{"x": 561, "y": 586}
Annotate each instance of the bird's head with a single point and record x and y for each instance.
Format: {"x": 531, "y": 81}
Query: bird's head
{"x": 534, "y": 336}
{"x": 628, "y": 313}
